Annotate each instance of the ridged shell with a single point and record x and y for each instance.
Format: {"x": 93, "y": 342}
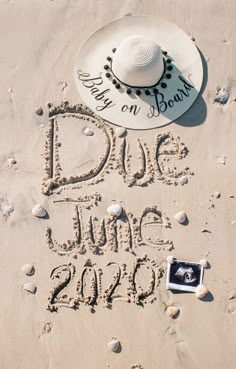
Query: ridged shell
{"x": 114, "y": 345}
{"x": 39, "y": 211}
{"x": 88, "y": 131}
{"x": 30, "y": 287}
{"x": 172, "y": 311}
{"x": 183, "y": 180}
{"x": 11, "y": 161}
{"x": 201, "y": 291}
{"x": 114, "y": 210}
{"x": 170, "y": 259}
{"x": 28, "y": 269}
{"x": 180, "y": 217}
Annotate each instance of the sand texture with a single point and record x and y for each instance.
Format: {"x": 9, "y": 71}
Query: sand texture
{"x": 75, "y": 276}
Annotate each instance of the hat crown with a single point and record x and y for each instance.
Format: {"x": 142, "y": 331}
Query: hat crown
{"x": 138, "y": 61}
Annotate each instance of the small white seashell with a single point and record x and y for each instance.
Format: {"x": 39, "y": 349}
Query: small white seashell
{"x": 30, "y": 287}
{"x": 114, "y": 345}
{"x": 28, "y": 269}
{"x": 183, "y": 180}
{"x": 172, "y": 311}
{"x": 88, "y": 131}
{"x": 9, "y": 90}
{"x": 39, "y": 211}
{"x": 203, "y": 263}
{"x": 39, "y": 111}
{"x": 222, "y": 160}
{"x": 170, "y": 259}
{"x": 114, "y": 210}
{"x": 180, "y": 217}
{"x": 120, "y": 131}
{"x": 217, "y": 194}
{"x": 201, "y": 291}
{"x": 11, "y": 161}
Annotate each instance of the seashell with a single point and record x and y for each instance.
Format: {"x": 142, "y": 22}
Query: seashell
{"x": 203, "y": 263}
{"x": 222, "y": 96}
{"x": 222, "y": 160}
{"x": 205, "y": 230}
{"x": 88, "y": 131}
{"x": 9, "y": 90}
{"x": 120, "y": 131}
{"x": 11, "y": 161}
{"x": 39, "y": 211}
{"x": 180, "y": 217}
{"x": 172, "y": 311}
{"x": 183, "y": 180}
{"x": 170, "y": 259}
{"x": 30, "y": 287}
{"x": 217, "y": 194}
{"x": 201, "y": 291}
{"x": 114, "y": 210}
{"x": 28, "y": 269}
{"x": 39, "y": 111}
{"x": 114, "y": 345}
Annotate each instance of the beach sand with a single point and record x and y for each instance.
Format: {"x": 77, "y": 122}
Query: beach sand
{"x": 92, "y": 278}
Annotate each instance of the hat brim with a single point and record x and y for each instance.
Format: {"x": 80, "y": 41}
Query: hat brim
{"x": 132, "y": 111}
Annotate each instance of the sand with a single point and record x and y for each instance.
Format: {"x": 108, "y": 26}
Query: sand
{"x": 97, "y": 277}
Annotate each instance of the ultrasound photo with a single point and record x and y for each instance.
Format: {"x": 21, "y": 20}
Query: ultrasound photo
{"x": 184, "y": 276}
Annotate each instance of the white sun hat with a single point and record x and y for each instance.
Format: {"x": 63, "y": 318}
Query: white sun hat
{"x": 139, "y": 72}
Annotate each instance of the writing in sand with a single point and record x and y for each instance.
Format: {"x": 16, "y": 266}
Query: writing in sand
{"x": 159, "y": 103}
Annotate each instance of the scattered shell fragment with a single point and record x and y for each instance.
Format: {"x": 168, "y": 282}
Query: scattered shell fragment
{"x": 11, "y": 161}
{"x": 222, "y": 160}
{"x": 183, "y": 180}
{"x": 222, "y": 96}
{"x": 28, "y": 269}
{"x": 180, "y": 217}
{"x": 172, "y": 311}
{"x": 201, "y": 291}
{"x": 114, "y": 345}
{"x": 88, "y": 131}
{"x": 120, "y": 131}
{"x": 39, "y": 211}
{"x": 39, "y": 111}
{"x": 217, "y": 194}
{"x": 29, "y": 287}
{"x": 114, "y": 210}
{"x": 170, "y": 259}
{"x": 9, "y": 90}
{"x": 204, "y": 230}
{"x": 203, "y": 263}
